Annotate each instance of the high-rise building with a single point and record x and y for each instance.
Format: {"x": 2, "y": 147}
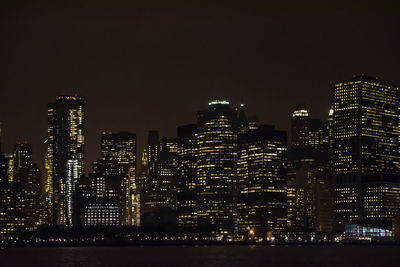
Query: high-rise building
{"x": 159, "y": 199}
{"x": 117, "y": 165}
{"x": 142, "y": 177}
{"x": 153, "y": 146}
{"x": 300, "y": 127}
{"x": 65, "y": 156}
{"x": 318, "y": 136}
{"x": 187, "y": 181}
{"x": 309, "y": 194}
{"x": 243, "y": 123}
{"x": 28, "y": 175}
{"x": 366, "y": 150}
{"x": 262, "y": 181}
{"x": 12, "y": 205}
{"x": 216, "y": 169}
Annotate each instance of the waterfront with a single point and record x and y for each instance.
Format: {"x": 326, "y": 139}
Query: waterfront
{"x": 347, "y": 255}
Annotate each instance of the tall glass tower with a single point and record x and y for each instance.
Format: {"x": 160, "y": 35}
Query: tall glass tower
{"x": 65, "y": 156}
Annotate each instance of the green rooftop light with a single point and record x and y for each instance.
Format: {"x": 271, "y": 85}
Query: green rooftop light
{"x": 216, "y": 102}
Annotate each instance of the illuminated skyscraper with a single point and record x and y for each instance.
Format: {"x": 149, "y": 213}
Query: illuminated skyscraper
{"x": 12, "y": 217}
{"x": 262, "y": 180}
{"x": 216, "y": 169}
{"x": 366, "y": 150}
{"x": 243, "y": 123}
{"x": 29, "y": 177}
{"x": 142, "y": 178}
{"x": 153, "y": 146}
{"x": 300, "y": 127}
{"x": 187, "y": 181}
{"x": 117, "y": 165}
{"x": 65, "y": 156}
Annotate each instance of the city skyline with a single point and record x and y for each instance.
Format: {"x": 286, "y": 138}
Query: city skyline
{"x": 200, "y": 133}
{"x": 227, "y": 176}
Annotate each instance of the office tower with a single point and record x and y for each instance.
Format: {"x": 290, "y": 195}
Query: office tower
{"x": 142, "y": 178}
{"x": 153, "y": 148}
{"x": 65, "y": 156}
{"x": 166, "y": 171}
{"x": 216, "y": 169}
{"x": 318, "y": 136}
{"x": 300, "y": 127}
{"x": 187, "y": 182}
{"x": 330, "y": 130}
{"x": 159, "y": 199}
{"x": 243, "y": 123}
{"x": 261, "y": 181}
{"x": 11, "y": 201}
{"x": 309, "y": 182}
{"x": 28, "y": 175}
{"x": 117, "y": 165}
{"x": 366, "y": 151}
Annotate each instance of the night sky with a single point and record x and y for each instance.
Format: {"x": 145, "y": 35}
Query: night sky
{"x": 142, "y": 68}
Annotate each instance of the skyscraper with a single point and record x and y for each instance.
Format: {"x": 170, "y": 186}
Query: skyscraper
{"x": 366, "y": 150}
{"x": 216, "y": 169}
{"x": 262, "y": 181}
{"x": 65, "y": 155}
{"x": 159, "y": 199}
{"x": 142, "y": 177}
{"x": 29, "y": 177}
{"x": 117, "y": 165}
{"x": 300, "y": 127}
{"x": 187, "y": 179}
{"x": 12, "y": 204}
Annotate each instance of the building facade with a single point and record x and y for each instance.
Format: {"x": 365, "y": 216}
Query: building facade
{"x": 216, "y": 157}
{"x": 187, "y": 179}
{"x": 65, "y": 156}
{"x": 365, "y": 150}
{"x": 262, "y": 181}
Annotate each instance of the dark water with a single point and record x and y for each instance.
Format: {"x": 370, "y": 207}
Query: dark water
{"x": 243, "y": 256}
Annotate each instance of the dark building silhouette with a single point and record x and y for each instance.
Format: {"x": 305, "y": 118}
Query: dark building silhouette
{"x": 65, "y": 156}
{"x": 366, "y": 151}
{"x": 300, "y": 128}
{"x": 187, "y": 179}
{"x": 158, "y": 201}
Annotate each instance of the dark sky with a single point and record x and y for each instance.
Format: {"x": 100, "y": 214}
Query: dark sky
{"x": 146, "y": 68}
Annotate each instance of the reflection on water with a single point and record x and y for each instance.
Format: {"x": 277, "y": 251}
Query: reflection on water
{"x": 243, "y": 256}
